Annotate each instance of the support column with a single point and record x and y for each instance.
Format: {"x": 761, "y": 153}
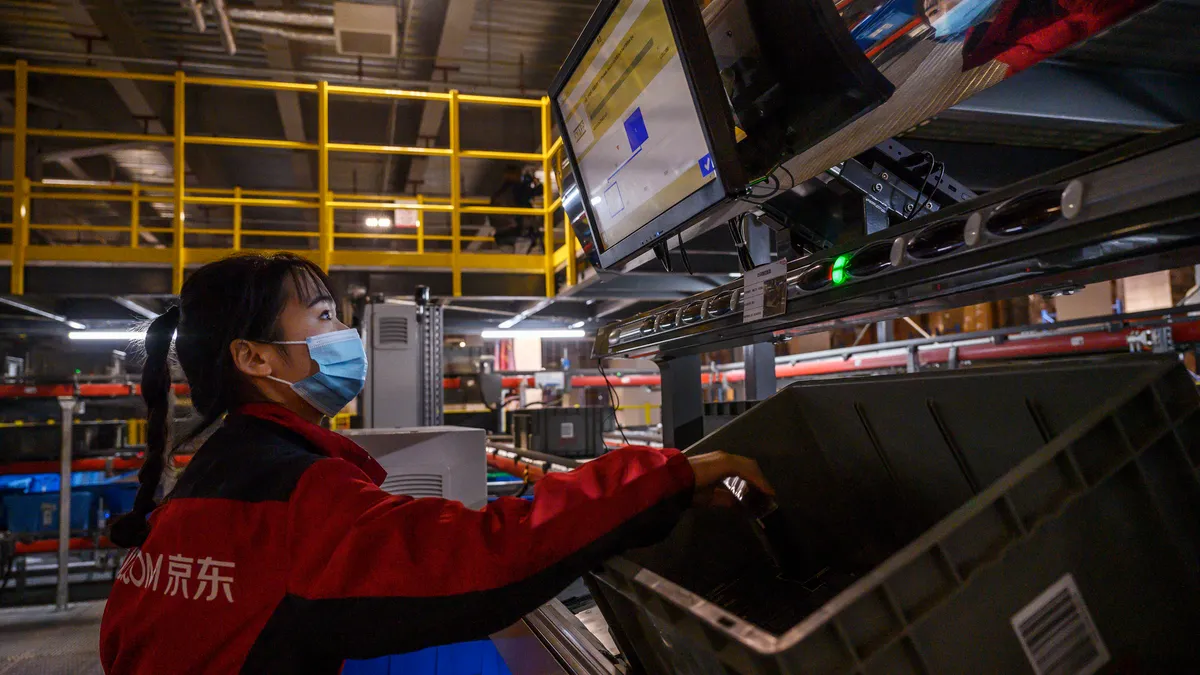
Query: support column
{"x": 420, "y": 224}
{"x": 455, "y": 197}
{"x": 237, "y": 219}
{"x": 885, "y": 331}
{"x": 682, "y": 401}
{"x": 572, "y": 261}
{"x": 179, "y": 260}
{"x": 547, "y": 200}
{"x": 325, "y": 213}
{"x": 760, "y": 371}
{"x": 67, "y": 406}
{"x": 135, "y": 215}
{"x": 20, "y": 203}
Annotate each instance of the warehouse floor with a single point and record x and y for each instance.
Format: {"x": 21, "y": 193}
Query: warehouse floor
{"x": 40, "y": 641}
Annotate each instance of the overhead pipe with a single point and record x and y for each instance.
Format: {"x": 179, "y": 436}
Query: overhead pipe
{"x": 280, "y": 16}
{"x": 297, "y": 34}
{"x": 193, "y": 6}
{"x": 225, "y": 26}
{"x": 962, "y": 350}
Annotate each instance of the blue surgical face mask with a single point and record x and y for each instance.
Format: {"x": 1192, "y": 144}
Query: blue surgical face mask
{"x": 342, "y": 360}
{"x": 965, "y": 15}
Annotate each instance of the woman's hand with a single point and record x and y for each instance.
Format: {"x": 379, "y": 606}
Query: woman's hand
{"x": 713, "y": 468}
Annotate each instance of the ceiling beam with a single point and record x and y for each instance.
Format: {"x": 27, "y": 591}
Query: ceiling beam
{"x": 455, "y": 30}
{"x": 24, "y": 306}
{"x": 135, "y": 307}
{"x": 280, "y": 57}
{"x": 106, "y": 19}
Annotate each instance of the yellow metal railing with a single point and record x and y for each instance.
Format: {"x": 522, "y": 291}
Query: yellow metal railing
{"x": 178, "y": 255}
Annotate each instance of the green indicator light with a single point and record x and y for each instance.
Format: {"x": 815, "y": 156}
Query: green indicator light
{"x": 838, "y": 275}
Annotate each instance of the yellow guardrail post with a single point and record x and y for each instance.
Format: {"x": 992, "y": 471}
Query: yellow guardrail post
{"x": 179, "y": 260}
{"x": 455, "y": 197}
{"x": 572, "y": 269}
{"x": 20, "y": 201}
{"x": 237, "y": 219}
{"x": 135, "y": 216}
{"x": 420, "y": 224}
{"x": 547, "y": 199}
{"x": 325, "y": 214}
{"x": 647, "y": 408}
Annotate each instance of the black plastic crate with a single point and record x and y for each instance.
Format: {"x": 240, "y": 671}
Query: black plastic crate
{"x": 576, "y": 433}
{"x": 973, "y": 522}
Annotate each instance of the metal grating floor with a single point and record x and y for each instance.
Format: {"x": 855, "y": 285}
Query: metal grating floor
{"x": 40, "y": 641}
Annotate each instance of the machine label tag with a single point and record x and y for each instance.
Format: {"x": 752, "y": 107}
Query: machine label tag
{"x": 765, "y": 292}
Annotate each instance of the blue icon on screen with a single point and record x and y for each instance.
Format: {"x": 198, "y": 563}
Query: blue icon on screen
{"x": 635, "y": 130}
{"x": 707, "y": 167}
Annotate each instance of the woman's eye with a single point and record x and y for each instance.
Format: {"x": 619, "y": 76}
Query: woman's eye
{"x": 327, "y": 315}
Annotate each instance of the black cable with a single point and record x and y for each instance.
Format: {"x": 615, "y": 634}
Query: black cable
{"x": 613, "y": 401}
{"x": 925, "y": 183}
{"x": 739, "y": 242}
{"x": 791, "y": 176}
{"x": 775, "y": 189}
{"x": 542, "y": 403}
{"x": 524, "y": 488}
{"x": 687, "y": 264}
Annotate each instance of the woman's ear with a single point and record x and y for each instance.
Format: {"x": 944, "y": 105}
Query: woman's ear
{"x": 251, "y": 358}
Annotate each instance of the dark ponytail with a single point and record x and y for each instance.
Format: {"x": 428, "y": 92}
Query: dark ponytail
{"x": 131, "y": 529}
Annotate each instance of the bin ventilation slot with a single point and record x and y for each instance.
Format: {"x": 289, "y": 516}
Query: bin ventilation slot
{"x": 1058, "y": 634}
{"x": 414, "y": 485}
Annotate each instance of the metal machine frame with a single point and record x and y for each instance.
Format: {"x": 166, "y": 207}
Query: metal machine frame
{"x": 1128, "y": 211}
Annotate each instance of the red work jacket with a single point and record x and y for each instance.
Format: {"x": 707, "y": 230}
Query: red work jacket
{"x": 277, "y": 552}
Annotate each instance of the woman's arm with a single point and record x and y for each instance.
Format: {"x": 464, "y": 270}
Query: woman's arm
{"x": 377, "y": 574}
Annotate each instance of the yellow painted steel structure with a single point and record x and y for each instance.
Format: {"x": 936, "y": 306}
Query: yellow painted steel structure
{"x": 179, "y": 256}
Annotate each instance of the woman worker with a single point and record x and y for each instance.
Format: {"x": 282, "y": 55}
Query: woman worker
{"x": 276, "y": 551}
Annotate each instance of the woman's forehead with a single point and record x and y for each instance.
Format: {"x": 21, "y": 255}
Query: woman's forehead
{"x": 306, "y": 288}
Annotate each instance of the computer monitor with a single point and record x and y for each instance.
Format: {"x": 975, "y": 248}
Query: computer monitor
{"x": 645, "y": 123}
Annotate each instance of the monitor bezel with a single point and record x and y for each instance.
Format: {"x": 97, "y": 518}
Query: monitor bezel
{"x": 716, "y": 122}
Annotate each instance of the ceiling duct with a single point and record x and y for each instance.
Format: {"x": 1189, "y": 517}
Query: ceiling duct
{"x": 365, "y": 30}
{"x": 281, "y": 16}
{"x": 298, "y": 34}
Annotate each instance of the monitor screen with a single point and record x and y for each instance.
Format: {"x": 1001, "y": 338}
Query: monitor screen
{"x": 633, "y": 125}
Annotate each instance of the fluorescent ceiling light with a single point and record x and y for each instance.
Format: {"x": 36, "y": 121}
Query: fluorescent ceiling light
{"x": 735, "y": 275}
{"x": 381, "y": 221}
{"x": 76, "y": 325}
{"x": 577, "y": 324}
{"x": 550, "y": 334}
{"x": 126, "y": 335}
{"x": 509, "y": 323}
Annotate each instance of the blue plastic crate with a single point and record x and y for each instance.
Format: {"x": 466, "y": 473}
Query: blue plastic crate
{"x": 38, "y": 513}
{"x": 464, "y": 658}
{"x": 118, "y": 497}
